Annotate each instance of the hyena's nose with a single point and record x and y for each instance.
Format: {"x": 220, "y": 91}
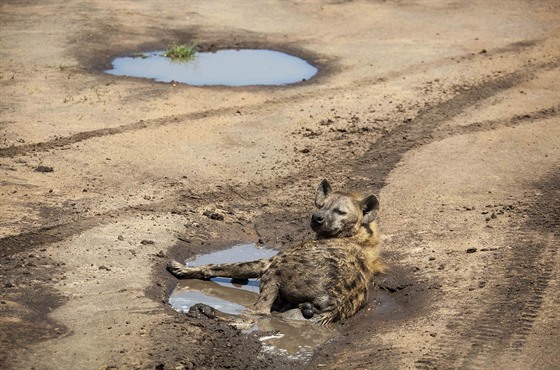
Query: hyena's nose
{"x": 317, "y": 219}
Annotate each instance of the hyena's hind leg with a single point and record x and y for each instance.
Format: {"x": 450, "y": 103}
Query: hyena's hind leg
{"x": 240, "y": 270}
{"x": 267, "y": 295}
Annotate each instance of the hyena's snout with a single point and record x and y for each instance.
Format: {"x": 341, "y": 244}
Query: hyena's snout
{"x": 317, "y": 220}
{"x": 323, "y": 224}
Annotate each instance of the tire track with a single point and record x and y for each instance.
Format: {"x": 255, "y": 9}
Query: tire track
{"x": 496, "y": 333}
{"x": 424, "y": 129}
{"x": 382, "y": 157}
{"x": 60, "y": 142}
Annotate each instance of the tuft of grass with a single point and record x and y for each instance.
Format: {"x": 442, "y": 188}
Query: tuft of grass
{"x": 139, "y": 55}
{"x": 181, "y": 53}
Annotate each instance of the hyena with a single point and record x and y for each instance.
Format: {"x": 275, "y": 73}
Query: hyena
{"x": 326, "y": 278}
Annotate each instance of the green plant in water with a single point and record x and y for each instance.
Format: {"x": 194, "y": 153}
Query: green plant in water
{"x": 180, "y": 53}
{"x": 139, "y": 55}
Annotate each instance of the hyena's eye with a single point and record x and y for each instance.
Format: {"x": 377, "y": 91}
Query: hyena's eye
{"x": 340, "y": 212}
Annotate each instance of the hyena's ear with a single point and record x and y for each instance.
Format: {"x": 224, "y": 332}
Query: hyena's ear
{"x": 322, "y": 192}
{"x": 370, "y": 208}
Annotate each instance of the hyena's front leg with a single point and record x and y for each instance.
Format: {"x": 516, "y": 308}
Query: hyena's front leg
{"x": 241, "y": 270}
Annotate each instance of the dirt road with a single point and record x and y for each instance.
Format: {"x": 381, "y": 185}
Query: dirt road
{"x": 448, "y": 110}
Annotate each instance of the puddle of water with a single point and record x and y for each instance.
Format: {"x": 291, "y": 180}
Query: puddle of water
{"x": 293, "y": 339}
{"x": 220, "y": 292}
{"x": 238, "y": 253}
{"x": 242, "y": 67}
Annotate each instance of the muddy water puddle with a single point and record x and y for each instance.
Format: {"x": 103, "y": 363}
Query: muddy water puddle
{"x": 244, "y": 67}
{"x": 221, "y": 293}
{"x": 294, "y": 339}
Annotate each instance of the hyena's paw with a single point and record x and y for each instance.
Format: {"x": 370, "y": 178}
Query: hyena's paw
{"x": 181, "y": 271}
{"x": 201, "y": 309}
{"x": 175, "y": 268}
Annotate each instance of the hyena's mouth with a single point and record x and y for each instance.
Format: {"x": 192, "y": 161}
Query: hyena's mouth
{"x": 323, "y": 230}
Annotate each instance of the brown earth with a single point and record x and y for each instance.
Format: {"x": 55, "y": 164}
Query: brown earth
{"x": 449, "y": 110}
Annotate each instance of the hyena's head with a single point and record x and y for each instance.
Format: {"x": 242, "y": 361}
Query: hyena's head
{"x": 342, "y": 214}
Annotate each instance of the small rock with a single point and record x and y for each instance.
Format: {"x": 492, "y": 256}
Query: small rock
{"x": 44, "y": 169}
{"x": 120, "y": 237}
{"x": 104, "y": 268}
{"x": 471, "y": 250}
{"x": 146, "y": 242}
{"x": 213, "y": 215}
{"x": 390, "y": 284}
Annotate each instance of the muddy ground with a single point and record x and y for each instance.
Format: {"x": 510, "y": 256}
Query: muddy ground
{"x": 448, "y": 110}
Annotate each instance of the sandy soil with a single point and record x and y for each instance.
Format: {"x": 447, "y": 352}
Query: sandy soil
{"x": 448, "y": 110}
